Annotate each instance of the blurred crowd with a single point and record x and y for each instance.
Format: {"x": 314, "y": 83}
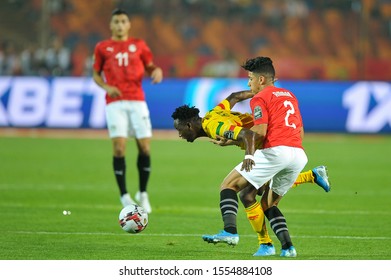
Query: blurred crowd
{"x": 335, "y": 39}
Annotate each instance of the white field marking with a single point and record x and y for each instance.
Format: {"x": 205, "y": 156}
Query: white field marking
{"x": 163, "y": 210}
{"x": 337, "y": 212}
{"x": 192, "y": 235}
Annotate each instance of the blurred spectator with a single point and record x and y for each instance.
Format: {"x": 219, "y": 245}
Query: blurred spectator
{"x": 40, "y": 67}
{"x": 296, "y": 8}
{"x": 26, "y": 61}
{"x": 58, "y": 58}
{"x": 11, "y": 63}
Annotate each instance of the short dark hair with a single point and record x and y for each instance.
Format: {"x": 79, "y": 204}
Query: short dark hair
{"x": 119, "y": 11}
{"x": 260, "y": 65}
{"x": 184, "y": 113}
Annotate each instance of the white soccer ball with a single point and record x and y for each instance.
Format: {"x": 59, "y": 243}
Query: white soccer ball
{"x": 133, "y": 218}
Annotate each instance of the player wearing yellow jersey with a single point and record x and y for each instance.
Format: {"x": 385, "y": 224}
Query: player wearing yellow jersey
{"x": 221, "y": 122}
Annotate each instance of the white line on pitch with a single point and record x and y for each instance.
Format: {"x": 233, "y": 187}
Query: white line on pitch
{"x": 191, "y": 235}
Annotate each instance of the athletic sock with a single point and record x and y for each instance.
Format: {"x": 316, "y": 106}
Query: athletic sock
{"x": 278, "y": 224}
{"x": 229, "y": 209}
{"x": 304, "y": 177}
{"x": 256, "y": 217}
{"x": 144, "y": 170}
{"x": 119, "y": 167}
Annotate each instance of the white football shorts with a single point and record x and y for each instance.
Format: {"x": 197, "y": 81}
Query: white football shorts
{"x": 281, "y": 165}
{"x": 128, "y": 119}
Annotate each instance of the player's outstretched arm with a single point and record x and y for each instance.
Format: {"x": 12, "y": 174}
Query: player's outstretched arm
{"x": 238, "y": 96}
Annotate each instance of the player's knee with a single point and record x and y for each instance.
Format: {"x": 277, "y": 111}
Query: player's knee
{"x": 243, "y": 197}
{"x": 119, "y": 150}
{"x": 247, "y": 198}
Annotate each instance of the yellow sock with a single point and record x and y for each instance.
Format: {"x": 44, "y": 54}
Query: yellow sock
{"x": 256, "y": 217}
{"x": 304, "y": 177}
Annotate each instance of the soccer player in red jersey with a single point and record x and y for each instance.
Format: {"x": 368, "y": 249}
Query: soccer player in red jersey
{"x": 279, "y": 158}
{"x": 119, "y": 67}
{"x": 221, "y": 121}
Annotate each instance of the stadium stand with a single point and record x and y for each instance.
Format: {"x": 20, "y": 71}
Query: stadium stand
{"x": 335, "y": 40}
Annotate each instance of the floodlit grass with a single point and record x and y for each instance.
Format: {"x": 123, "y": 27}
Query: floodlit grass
{"x": 39, "y": 178}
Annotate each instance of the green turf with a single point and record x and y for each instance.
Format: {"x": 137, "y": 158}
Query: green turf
{"x": 39, "y": 178}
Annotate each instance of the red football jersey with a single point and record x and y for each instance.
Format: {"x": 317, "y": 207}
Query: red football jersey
{"x": 279, "y": 109}
{"x": 123, "y": 64}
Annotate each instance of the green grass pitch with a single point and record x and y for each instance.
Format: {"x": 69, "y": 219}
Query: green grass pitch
{"x": 39, "y": 178}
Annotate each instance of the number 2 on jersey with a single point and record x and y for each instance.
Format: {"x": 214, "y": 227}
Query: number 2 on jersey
{"x": 289, "y": 112}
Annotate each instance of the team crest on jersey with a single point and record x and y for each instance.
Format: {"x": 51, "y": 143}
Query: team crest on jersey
{"x": 132, "y": 48}
{"x": 257, "y": 112}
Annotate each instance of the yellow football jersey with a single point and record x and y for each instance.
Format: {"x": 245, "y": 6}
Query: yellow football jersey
{"x": 225, "y": 123}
